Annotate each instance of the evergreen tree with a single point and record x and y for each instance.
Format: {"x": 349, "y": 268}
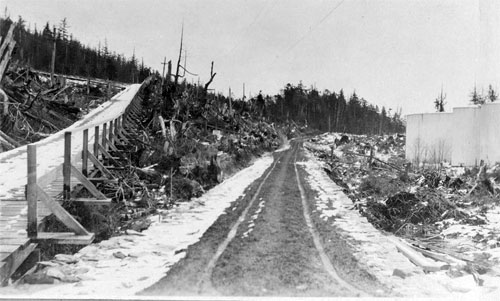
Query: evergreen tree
{"x": 492, "y": 94}
{"x": 476, "y": 98}
{"x": 439, "y": 102}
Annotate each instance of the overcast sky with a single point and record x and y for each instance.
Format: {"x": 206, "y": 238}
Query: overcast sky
{"x": 393, "y": 53}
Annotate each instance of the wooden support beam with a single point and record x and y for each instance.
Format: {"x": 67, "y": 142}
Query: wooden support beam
{"x": 103, "y": 180}
{"x": 31, "y": 192}
{"x": 86, "y": 183}
{"x": 93, "y": 201}
{"x": 100, "y": 166}
{"x": 66, "y": 238}
{"x": 67, "y": 166}
{"x": 10, "y": 265}
{"x": 116, "y": 129}
{"x": 85, "y": 157}
{"x": 111, "y": 146}
{"x": 63, "y": 215}
{"x": 117, "y": 125}
{"x": 96, "y": 141}
{"x": 108, "y": 155}
{"x": 110, "y": 132}
{"x": 104, "y": 132}
{"x": 29, "y": 263}
{"x": 122, "y": 137}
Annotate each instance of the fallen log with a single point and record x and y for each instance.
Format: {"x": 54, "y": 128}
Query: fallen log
{"x": 7, "y": 39}
{"x": 374, "y": 158}
{"x": 44, "y": 122}
{"x": 9, "y": 139}
{"x": 6, "y": 59}
{"x": 162, "y": 125}
{"x": 448, "y": 252}
{"x": 440, "y": 256}
{"x": 5, "y": 100}
{"x": 418, "y": 259}
{"x": 5, "y": 143}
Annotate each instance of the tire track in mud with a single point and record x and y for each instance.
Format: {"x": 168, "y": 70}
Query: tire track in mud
{"x": 283, "y": 254}
{"x": 205, "y": 282}
{"x": 327, "y": 264}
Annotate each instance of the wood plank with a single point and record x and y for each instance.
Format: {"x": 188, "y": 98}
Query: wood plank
{"x": 66, "y": 238}
{"x": 4, "y": 203}
{"x": 87, "y": 184}
{"x": 50, "y": 177}
{"x": 14, "y": 240}
{"x": 8, "y": 248}
{"x": 67, "y": 166}
{"x": 61, "y": 214}
{"x": 93, "y": 201}
{"x": 122, "y": 137}
{"x": 103, "y": 180}
{"x": 5, "y": 219}
{"x": 85, "y": 150}
{"x": 4, "y": 233}
{"x": 13, "y": 223}
{"x": 28, "y": 264}
{"x": 108, "y": 155}
{"x": 99, "y": 165}
{"x": 31, "y": 192}
{"x": 110, "y": 145}
{"x": 14, "y": 261}
{"x": 4, "y": 256}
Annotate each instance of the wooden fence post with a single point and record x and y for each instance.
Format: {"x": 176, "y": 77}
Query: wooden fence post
{"x": 67, "y": 166}
{"x": 96, "y": 142}
{"x": 104, "y": 130}
{"x": 116, "y": 127}
{"x": 110, "y": 133}
{"x": 31, "y": 192}
{"x": 85, "y": 154}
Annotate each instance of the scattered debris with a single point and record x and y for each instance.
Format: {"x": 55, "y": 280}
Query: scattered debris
{"x": 33, "y": 108}
{"x": 447, "y": 217}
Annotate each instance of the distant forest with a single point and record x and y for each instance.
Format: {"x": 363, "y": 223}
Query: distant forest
{"x": 330, "y": 111}
{"x": 325, "y": 111}
{"x": 34, "y": 48}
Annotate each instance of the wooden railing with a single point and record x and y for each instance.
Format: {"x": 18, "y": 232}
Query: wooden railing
{"x": 99, "y": 140}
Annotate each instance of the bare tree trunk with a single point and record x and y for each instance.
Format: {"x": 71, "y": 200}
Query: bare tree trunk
{"x": 212, "y": 75}
{"x": 230, "y": 103}
{"x": 53, "y": 62}
{"x": 179, "y": 60}
{"x": 169, "y": 71}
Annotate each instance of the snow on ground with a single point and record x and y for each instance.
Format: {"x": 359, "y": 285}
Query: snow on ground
{"x": 126, "y": 264}
{"x": 251, "y": 222}
{"x": 378, "y": 255}
{"x": 285, "y": 146}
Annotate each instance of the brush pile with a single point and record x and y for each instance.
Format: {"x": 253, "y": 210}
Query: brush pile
{"x": 37, "y": 107}
{"x": 451, "y": 210}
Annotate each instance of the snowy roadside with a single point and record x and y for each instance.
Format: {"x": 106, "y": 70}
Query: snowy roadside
{"x": 126, "y": 264}
{"x": 378, "y": 255}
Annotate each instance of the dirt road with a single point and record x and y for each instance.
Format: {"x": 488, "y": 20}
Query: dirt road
{"x": 270, "y": 243}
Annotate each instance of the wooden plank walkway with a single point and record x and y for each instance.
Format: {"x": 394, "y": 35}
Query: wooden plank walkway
{"x": 15, "y": 243}
{"x": 14, "y": 240}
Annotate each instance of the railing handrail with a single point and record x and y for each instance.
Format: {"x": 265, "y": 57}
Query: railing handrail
{"x": 110, "y": 136}
{"x": 89, "y": 124}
